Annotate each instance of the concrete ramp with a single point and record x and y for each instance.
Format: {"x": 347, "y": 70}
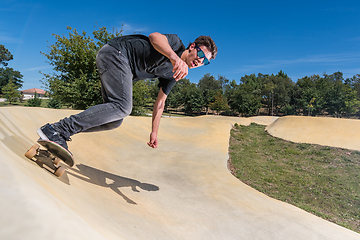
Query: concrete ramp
{"x": 120, "y": 188}
{"x": 334, "y": 132}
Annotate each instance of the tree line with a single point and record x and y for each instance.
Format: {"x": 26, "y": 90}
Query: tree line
{"x": 263, "y": 94}
{"x": 75, "y": 83}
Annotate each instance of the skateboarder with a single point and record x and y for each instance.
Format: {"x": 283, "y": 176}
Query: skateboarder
{"x": 120, "y": 62}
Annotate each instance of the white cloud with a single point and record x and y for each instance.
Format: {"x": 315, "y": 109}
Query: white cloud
{"x": 129, "y": 29}
{"x": 322, "y": 59}
{"x": 4, "y": 38}
{"x": 354, "y": 39}
{"x": 37, "y": 68}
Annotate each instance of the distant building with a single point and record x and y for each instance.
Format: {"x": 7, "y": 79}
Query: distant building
{"x": 30, "y": 93}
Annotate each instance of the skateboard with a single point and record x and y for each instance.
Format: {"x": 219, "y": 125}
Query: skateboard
{"x": 51, "y": 156}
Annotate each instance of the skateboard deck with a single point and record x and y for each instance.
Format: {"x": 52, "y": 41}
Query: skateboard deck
{"x": 57, "y": 151}
{"x": 51, "y": 156}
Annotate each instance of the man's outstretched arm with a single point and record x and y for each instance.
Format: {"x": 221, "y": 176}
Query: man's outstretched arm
{"x": 161, "y": 44}
{"x": 156, "y": 116}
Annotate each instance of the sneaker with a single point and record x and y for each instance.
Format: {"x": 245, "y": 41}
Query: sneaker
{"x": 47, "y": 132}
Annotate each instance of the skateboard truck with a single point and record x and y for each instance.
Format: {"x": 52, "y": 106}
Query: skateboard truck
{"x": 46, "y": 158}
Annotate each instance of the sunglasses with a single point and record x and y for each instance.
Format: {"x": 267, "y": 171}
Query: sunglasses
{"x": 201, "y": 54}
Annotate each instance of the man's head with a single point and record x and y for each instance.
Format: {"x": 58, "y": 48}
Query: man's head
{"x": 200, "y": 52}
{"x": 207, "y": 42}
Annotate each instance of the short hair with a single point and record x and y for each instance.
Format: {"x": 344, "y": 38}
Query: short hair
{"x": 208, "y": 43}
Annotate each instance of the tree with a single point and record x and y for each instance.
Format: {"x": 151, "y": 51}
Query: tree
{"x": 277, "y": 91}
{"x": 209, "y": 86}
{"x": 219, "y": 103}
{"x": 224, "y": 82}
{"x": 229, "y": 93}
{"x": 140, "y": 97}
{"x": 10, "y": 75}
{"x": 355, "y": 83}
{"x": 351, "y": 100}
{"x": 76, "y": 80}
{"x": 246, "y": 98}
{"x": 176, "y": 97}
{"x": 193, "y": 99}
{"x": 309, "y": 89}
{"x": 11, "y": 92}
{"x": 7, "y": 74}
{"x": 5, "y": 55}
{"x": 340, "y": 97}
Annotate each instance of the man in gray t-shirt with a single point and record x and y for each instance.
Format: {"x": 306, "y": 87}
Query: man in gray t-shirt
{"x": 124, "y": 60}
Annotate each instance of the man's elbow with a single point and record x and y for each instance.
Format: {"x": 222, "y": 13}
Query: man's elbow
{"x": 153, "y": 35}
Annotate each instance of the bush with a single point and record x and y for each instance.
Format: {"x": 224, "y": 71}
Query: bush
{"x": 34, "y": 102}
{"x": 53, "y": 103}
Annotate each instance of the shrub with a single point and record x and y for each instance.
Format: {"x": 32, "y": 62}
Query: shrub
{"x": 53, "y": 103}
{"x": 34, "y": 102}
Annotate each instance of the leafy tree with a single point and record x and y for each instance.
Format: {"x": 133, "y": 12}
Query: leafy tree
{"x": 176, "y": 98}
{"x": 340, "y": 98}
{"x": 11, "y": 92}
{"x": 328, "y": 94}
{"x": 310, "y": 105}
{"x": 153, "y": 85}
{"x": 351, "y": 100}
{"x": 246, "y": 99}
{"x": 268, "y": 91}
{"x": 7, "y": 74}
{"x": 224, "y": 83}
{"x": 209, "y": 86}
{"x": 229, "y": 93}
{"x": 5, "y": 55}
{"x": 309, "y": 89}
{"x": 355, "y": 83}
{"x": 219, "y": 103}
{"x": 277, "y": 90}
{"x": 76, "y": 82}
{"x": 10, "y": 75}
{"x": 140, "y": 97}
{"x": 193, "y": 99}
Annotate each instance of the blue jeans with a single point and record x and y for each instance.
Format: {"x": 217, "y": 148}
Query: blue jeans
{"x": 116, "y": 89}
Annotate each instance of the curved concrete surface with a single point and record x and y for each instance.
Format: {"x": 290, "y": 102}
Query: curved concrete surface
{"x": 334, "y": 132}
{"x": 120, "y": 188}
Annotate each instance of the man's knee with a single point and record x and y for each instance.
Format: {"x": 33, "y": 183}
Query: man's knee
{"x": 113, "y": 125}
{"x": 127, "y": 110}
{"x": 124, "y": 107}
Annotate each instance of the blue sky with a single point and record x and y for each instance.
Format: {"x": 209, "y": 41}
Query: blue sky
{"x": 301, "y": 38}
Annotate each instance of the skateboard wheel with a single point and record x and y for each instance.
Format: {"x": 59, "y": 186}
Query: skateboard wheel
{"x": 32, "y": 151}
{"x": 59, "y": 171}
{"x": 56, "y": 161}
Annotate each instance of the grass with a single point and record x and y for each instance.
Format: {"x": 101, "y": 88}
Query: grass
{"x": 23, "y": 103}
{"x": 148, "y": 109}
{"x": 44, "y": 103}
{"x": 322, "y": 180}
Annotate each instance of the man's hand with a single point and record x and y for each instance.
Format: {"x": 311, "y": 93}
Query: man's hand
{"x": 180, "y": 68}
{"x": 153, "y": 140}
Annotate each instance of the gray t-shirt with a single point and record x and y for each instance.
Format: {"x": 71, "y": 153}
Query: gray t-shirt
{"x": 145, "y": 61}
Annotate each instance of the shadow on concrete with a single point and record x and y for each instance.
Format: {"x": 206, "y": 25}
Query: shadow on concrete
{"x": 109, "y": 180}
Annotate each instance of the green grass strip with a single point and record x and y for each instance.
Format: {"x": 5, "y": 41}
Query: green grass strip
{"x": 324, "y": 181}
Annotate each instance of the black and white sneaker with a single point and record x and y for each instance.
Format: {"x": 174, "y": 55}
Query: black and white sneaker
{"x": 47, "y": 132}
